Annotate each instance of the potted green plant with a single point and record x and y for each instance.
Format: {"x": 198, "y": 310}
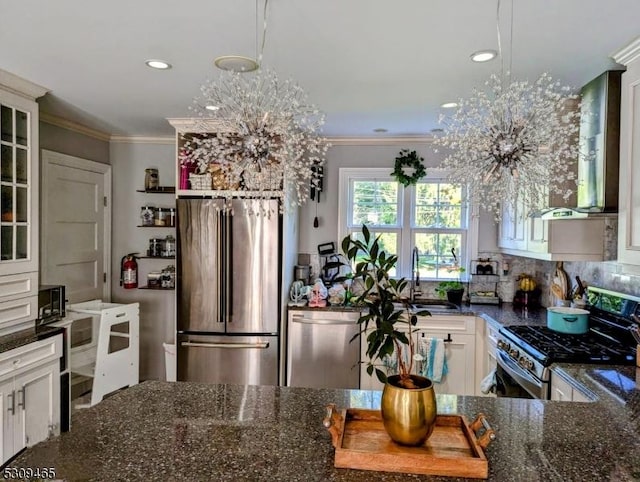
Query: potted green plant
{"x": 453, "y": 290}
{"x": 408, "y": 402}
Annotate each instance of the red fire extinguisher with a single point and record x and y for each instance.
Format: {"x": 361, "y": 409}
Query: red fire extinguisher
{"x": 129, "y": 271}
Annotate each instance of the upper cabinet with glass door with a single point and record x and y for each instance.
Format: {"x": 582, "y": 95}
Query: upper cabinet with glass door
{"x": 18, "y": 177}
{"x": 14, "y": 184}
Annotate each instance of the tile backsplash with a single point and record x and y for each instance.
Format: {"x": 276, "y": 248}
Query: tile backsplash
{"x": 607, "y": 274}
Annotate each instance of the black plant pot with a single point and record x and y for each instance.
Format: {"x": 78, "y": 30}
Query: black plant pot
{"x": 455, "y": 296}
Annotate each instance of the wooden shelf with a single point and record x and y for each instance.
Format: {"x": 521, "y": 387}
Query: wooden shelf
{"x": 160, "y": 190}
{"x": 235, "y": 194}
{"x": 156, "y": 257}
{"x": 154, "y": 226}
{"x": 155, "y": 289}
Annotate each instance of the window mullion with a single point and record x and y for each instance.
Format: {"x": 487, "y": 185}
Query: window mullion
{"x": 407, "y": 230}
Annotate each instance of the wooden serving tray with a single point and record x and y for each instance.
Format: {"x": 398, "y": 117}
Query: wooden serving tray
{"x": 453, "y": 449}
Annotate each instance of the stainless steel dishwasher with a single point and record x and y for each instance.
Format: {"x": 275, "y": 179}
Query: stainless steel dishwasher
{"x": 319, "y": 351}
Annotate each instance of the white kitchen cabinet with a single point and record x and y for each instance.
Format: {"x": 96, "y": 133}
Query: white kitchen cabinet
{"x": 629, "y": 189}
{"x": 512, "y": 229}
{"x": 460, "y": 353}
{"x": 19, "y": 167}
{"x": 562, "y": 240}
{"x": 30, "y": 394}
{"x": 487, "y": 361}
{"x": 526, "y": 235}
{"x": 563, "y": 391}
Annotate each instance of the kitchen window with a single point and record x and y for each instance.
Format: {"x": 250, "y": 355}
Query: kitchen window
{"x": 432, "y": 215}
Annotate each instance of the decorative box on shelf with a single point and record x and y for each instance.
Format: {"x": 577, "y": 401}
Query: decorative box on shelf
{"x": 200, "y": 182}
{"x": 267, "y": 179}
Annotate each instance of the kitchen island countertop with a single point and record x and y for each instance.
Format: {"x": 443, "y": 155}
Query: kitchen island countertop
{"x": 191, "y": 431}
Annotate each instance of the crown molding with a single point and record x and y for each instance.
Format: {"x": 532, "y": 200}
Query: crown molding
{"x": 143, "y": 140}
{"x": 629, "y": 53}
{"x": 54, "y": 120}
{"x": 379, "y": 141}
{"x": 196, "y": 124}
{"x": 19, "y": 86}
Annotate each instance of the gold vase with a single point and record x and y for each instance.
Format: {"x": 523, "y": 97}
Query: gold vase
{"x": 409, "y": 414}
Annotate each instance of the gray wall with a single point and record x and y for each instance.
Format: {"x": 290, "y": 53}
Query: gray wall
{"x": 157, "y": 308}
{"x": 610, "y": 275}
{"x": 58, "y": 139}
{"x": 371, "y": 154}
{"x": 128, "y": 161}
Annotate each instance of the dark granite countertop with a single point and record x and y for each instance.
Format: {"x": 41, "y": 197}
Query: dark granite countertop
{"x": 191, "y": 431}
{"x": 505, "y": 314}
{"x": 24, "y": 337}
{"x": 608, "y": 383}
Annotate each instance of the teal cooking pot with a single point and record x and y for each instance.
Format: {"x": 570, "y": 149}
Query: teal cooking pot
{"x": 568, "y": 320}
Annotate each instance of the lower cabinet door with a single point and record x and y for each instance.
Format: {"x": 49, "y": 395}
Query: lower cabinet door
{"x": 560, "y": 390}
{"x": 37, "y": 395}
{"x": 460, "y": 355}
{"x": 7, "y": 405}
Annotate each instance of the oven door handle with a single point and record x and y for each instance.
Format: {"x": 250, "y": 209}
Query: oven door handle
{"x": 519, "y": 374}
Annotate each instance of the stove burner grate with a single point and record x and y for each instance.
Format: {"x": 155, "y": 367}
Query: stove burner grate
{"x": 562, "y": 347}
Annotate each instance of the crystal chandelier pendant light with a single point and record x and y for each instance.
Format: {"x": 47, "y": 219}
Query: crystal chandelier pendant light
{"x": 514, "y": 141}
{"x": 266, "y": 132}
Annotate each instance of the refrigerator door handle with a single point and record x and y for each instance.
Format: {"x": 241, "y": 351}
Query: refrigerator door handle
{"x": 228, "y": 257}
{"x": 222, "y": 282}
{"x": 262, "y": 345}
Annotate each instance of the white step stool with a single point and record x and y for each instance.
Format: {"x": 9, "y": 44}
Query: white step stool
{"x": 110, "y": 370}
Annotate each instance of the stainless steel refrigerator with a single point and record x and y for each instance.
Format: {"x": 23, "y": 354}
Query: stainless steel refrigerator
{"x": 228, "y": 288}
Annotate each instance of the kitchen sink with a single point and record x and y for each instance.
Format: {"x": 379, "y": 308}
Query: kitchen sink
{"x": 432, "y": 306}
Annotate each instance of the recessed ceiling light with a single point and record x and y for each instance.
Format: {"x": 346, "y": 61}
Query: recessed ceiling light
{"x": 380, "y": 129}
{"x": 483, "y": 55}
{"x": 212, "y": 107}
{"x": 437, "y": 130}
{"x": 157, "y": 64}
{"x": 236, "y": 63}
{"x": 449, "y": 105}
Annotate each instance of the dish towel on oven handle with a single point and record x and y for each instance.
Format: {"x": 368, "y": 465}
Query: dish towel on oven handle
{"x": 434, "y": 366}
{"x": 488, "y": 383}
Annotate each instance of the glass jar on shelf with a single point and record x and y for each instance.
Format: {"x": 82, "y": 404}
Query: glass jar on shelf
{"x": 147, "y": 214}
{"x": 151, "y": 179}
{"x": 169, "y": 277}
{"x": 160, "y": 218}
{"x": 169, "y": 246}
{"x": 156, "y": 247}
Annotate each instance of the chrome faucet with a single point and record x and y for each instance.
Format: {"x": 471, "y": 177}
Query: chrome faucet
{"x": 415, "y": 275}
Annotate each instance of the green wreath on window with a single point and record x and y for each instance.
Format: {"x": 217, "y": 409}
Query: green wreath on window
{"x": 412, "y": 160}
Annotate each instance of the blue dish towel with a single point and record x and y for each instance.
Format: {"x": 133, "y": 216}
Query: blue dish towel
{"x": 434, "y": 366}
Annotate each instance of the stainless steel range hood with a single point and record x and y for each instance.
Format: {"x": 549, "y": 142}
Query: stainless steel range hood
{"x": 599, "y": 146}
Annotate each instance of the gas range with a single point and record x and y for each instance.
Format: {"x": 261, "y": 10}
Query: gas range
{"x": 526, "y": 352}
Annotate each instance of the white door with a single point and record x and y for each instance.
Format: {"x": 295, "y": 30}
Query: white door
{"x": 75, "y": 226}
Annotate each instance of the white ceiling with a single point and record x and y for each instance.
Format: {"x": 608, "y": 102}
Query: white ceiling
{"x": 366, "y": 63}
